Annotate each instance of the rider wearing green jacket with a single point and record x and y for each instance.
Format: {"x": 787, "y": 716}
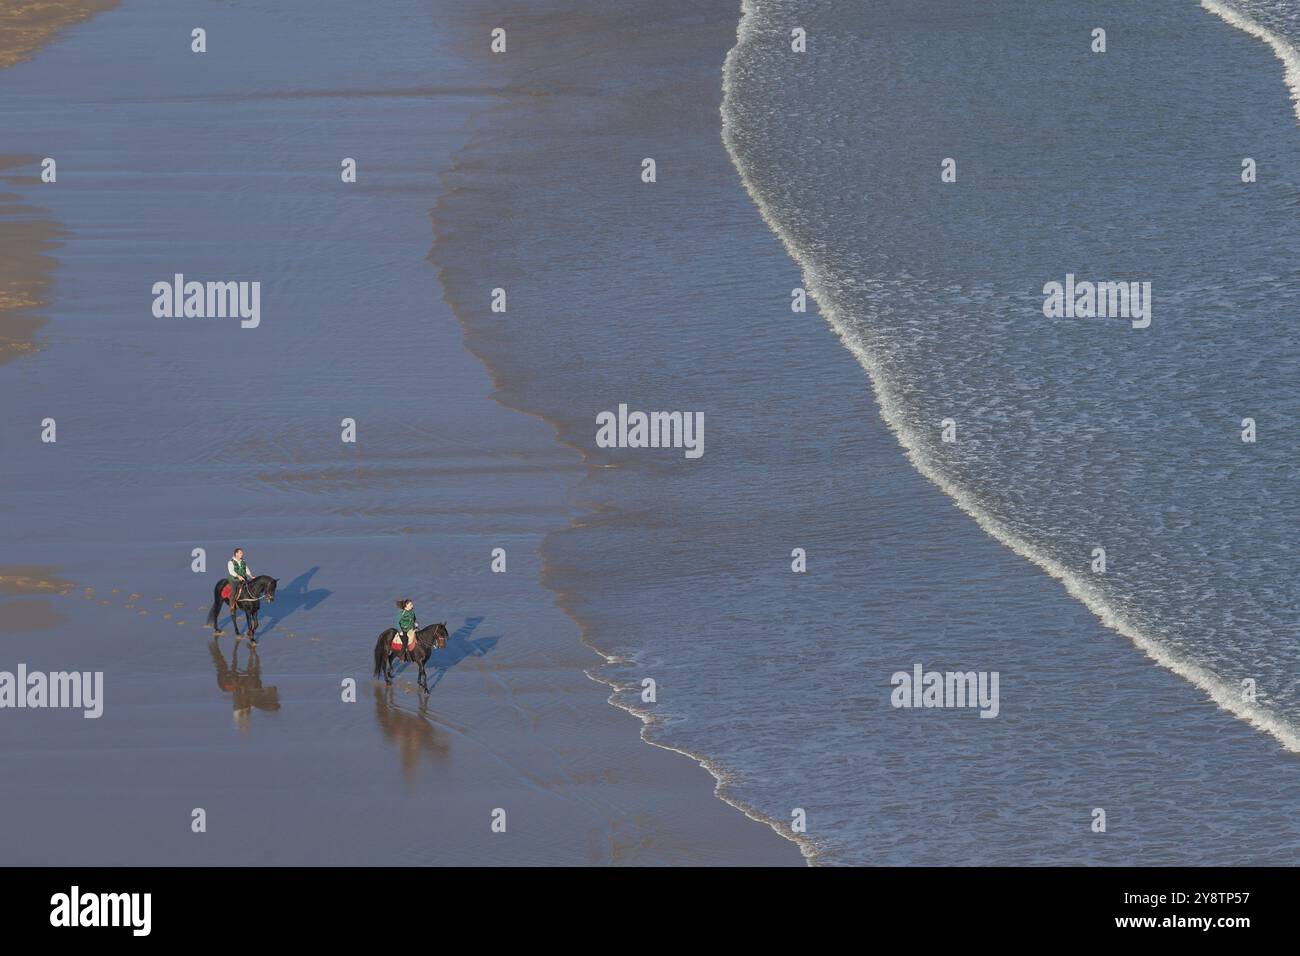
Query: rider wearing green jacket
{"x": 406, "y": 623}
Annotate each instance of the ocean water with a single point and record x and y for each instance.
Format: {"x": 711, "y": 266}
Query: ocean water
{"x": 1073, "y": 433}
{"x": 1118, "y": 691}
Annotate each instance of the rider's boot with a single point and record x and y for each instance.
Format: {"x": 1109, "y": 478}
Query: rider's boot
{"x": 234, "y": 603}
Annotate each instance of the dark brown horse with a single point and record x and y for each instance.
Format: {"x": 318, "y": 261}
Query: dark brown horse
{"x": 250, "y": 602}
{"x": 427, "y": 640}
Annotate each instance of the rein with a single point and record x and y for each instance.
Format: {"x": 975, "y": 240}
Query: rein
{"x": 251, "y": 600}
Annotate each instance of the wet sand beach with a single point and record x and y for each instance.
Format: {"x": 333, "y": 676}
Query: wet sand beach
{"x": 182, "y": 434}
{"x": 387, "y": 426}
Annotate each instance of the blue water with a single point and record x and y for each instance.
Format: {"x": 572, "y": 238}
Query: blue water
{"x": 1075, "y": 433}
{"x": 1120, "y": 691}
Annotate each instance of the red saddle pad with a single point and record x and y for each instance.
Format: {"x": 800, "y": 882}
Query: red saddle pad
{"x": 225, "y": 593}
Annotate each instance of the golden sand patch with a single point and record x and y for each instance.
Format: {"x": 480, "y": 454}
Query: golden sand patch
{"x": 32, "y": 580}
{"x": 26, "y": 269}
{"x": 27, "y": 25}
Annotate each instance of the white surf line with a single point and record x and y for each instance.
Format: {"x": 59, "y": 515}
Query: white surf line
{"x": 721, "y": 779}
{"x": 1224, "y": 693}
{"x": 1288, "y": 54}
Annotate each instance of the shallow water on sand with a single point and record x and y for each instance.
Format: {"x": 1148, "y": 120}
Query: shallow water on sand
{"x": 675, "y": 295}
{"x": 176, "y": 434}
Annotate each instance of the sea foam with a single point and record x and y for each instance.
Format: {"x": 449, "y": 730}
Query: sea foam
{"x": 1288, "y": 54}
{"x": 1224, "y": 693}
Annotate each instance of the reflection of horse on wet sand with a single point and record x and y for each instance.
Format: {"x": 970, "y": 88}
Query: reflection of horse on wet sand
{"x": 244, "y": 687}
{"x": 412, "y": 733}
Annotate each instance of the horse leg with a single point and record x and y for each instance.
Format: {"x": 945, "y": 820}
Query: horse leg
{"x": 424, "y": 681}
{"x": 388, "y": 667}
{"x": 234, "y": 618}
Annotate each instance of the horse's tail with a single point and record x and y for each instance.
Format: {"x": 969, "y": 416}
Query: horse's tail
{"x": 216, "y": 603}
{"x": 380, "y": 652}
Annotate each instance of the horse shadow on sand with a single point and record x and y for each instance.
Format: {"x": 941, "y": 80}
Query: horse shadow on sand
{"x": 460, "y": 646}
{"x": 297, "y": 595}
